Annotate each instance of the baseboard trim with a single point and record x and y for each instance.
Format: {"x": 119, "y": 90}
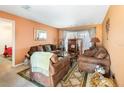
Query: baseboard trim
{"x": 17, "y": 65}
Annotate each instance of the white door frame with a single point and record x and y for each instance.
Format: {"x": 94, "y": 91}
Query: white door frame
{"x": 13, "y": 39}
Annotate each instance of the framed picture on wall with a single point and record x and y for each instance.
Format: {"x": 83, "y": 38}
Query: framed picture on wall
{"x": 107, "y": 26}
{"x": 40, "y": 34}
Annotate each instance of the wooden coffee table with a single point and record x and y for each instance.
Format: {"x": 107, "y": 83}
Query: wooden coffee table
{"x": 73, "y": 58}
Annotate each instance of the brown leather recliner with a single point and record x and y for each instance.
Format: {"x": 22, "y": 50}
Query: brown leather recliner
{"x": 97, "y": 56}
{"x": 57, "y": 70}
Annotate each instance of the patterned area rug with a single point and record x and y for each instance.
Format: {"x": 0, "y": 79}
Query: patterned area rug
{"x": 73, "y": 78}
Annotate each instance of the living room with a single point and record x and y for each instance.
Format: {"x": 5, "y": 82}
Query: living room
{"x": 30, "y": 33}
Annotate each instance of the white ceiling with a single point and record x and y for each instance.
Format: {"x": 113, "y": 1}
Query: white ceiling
{"x": 60, "y": 16}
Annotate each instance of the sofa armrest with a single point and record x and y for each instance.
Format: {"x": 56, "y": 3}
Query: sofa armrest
{"x": 92, "y": 60}
{"x": 55, "y": 68}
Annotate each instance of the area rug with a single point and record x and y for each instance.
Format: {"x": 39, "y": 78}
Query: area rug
{"x": 26, "y": 74}
{"x": 73, "y": 78}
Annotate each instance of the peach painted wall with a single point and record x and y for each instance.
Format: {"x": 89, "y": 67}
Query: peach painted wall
{"x": 24, "y": 34}
{"x": 61, "y": 34}
{"x": 99, "y": 32}
{"x": 115, "y": 42}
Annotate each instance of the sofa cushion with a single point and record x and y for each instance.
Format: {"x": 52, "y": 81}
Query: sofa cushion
{"x": 48, "y": 48}
{"x": 40, "y": 48}
{"x": 107, "y": 56}
{"x": 32, "y": 50}
{"x": 90, "y": 52}
{"x": 53, "y": 47}
{"x": 101, "y": 53}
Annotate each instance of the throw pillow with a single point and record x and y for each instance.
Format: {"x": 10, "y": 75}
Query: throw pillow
{"x": 48, "y": 48}
{"x": 60, "y": 59}
{"x": 40, "y": 48}
{"x": 101, "y": 53}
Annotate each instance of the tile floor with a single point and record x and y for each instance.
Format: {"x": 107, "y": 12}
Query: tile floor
{"x": 9, "y": 76}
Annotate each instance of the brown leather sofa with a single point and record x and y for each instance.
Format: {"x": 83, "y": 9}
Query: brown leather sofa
{"x": 58, "y": 69}
{"x": 92, "y": 57}
{"x": 46, "y": 48}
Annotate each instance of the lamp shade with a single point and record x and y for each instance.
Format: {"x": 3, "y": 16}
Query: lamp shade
{"x": 95, "y": 39}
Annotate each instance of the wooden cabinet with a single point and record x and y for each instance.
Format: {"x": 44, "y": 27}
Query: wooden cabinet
{"x": 73, "y": 46}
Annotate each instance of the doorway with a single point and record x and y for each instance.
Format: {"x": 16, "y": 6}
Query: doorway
{"x": 7, "y": 39}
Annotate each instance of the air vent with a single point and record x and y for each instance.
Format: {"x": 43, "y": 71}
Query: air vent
{"x": 26, "y": 7}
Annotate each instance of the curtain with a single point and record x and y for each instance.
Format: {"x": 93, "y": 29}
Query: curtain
{"x": 84, "y": 35}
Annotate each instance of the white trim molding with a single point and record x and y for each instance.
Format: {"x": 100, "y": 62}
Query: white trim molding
{"x": 17, "y": 65}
